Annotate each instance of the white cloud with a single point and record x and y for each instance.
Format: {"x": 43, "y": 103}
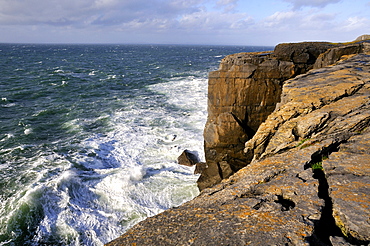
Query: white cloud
{"x": 125, "y": 15}
{"x": 36, "y": 11}
{"x": 213, "y": 21}
{"x": 356, "y": 23}
{"x": 227, "y": 21}
{"x": 280, "y": 19}
{"x": 317, "y": 21}
{"x": 311, "y": 3}
{"x": 93, "y": 12}
{"x": 227, "y": 5}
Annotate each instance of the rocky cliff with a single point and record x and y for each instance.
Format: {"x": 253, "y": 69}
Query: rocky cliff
{"x": 296, "y": 154}
{"x": 241, "y": 94}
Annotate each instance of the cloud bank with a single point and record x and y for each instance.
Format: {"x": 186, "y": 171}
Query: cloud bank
{"x": 181, "y": 21}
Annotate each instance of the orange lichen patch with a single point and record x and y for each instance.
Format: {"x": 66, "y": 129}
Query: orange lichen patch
{"x": 345, "y": 57}
{"x": 351, "y": 192}
{"x": 345, "y": 105}
{"x": 244, "y": 213}
{"x": 358, "y": 164}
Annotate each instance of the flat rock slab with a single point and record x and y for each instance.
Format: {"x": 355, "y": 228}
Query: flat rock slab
{"x": 348, "y": 175}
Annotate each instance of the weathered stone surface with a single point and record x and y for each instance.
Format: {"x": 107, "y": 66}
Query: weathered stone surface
{"x": 303, "y": 55}
{"x": 363, "y": 37}
{"x": 241, "y": 94}
{"x": 333, "y": 55}
{"x": 199, "y": 167}
{"x": 249, "y": 86}
{"x": 334, "y": 108}
{"x": 348, "y": 175}
{"x": 321, "y": 122}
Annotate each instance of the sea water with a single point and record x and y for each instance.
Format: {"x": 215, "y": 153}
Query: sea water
{"x": 90, "y": 135}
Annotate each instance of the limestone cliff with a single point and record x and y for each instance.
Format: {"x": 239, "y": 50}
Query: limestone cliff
{"x": 241, "y": 94}
{"x": 308, "y": 180}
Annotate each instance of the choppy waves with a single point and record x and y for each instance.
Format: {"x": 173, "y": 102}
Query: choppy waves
{"x": 89, "y": 143}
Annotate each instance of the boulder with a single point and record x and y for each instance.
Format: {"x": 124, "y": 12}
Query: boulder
{"x": 199, "y": 167}
{"x": 188, "y": 158}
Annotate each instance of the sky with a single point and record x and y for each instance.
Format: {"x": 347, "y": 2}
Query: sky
{"x": 218, "y": 22}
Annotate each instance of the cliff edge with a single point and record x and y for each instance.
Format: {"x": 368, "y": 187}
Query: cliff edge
{"x": 306, "y": 179}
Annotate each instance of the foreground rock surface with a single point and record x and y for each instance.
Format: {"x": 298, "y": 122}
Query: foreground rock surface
{"x": 308, "y": 183}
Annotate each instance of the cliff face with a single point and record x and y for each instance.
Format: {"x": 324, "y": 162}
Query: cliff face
{"x": 241, "y": 94}
{"x": 308, "y": 180}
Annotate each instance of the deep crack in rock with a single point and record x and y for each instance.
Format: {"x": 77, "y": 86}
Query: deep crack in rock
{"x": 326, "y": 226}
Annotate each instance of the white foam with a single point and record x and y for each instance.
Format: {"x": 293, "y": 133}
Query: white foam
{"x": 28, "y": 131}
{"x": 137, "y": 173}
{"x": 121, "y": 177}
{"x": 8, "y": 105}
{"x": 58, "y": 71}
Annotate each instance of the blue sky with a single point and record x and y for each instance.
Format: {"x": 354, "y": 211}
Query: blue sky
{"x": 225, "y": 22}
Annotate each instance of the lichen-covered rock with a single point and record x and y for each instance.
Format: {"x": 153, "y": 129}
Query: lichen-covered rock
{"x": 308, "y": 183}
{"x": 348, "y": 175}
{"x": 334, "y": 54}
{"x": 241, "y": 94}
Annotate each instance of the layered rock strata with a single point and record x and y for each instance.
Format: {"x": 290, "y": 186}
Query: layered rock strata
{"x": 245, "y": 90}
{"x": 308, "y": 183}
{"x": 241, "y": 94}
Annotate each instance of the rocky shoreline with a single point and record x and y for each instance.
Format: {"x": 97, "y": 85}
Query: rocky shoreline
{"x": 287, "y": 148}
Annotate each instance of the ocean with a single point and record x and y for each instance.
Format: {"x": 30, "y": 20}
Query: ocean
{"x": 90, "y": 135}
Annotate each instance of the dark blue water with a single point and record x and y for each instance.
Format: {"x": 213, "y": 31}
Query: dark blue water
{"x": 90, "y": 134}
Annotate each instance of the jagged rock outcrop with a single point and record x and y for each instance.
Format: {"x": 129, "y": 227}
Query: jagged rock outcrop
{"x": 188, "y": 158}
{"x": 333, "y": 55}
{"x": 241, "y": 94}
{"x": 363, "y": 37}
{"x": 309, "y": 179}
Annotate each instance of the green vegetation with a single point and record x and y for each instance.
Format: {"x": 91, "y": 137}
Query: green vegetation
{"x": 317, "y": 166}
{"x": 302, "y": 143}
{"x": 361, "y": 131}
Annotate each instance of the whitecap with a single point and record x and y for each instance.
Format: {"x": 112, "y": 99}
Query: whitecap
{"x": 9, "y": 105}
{"x": 137, "y": 173}
{"x": 28, "y": 131}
